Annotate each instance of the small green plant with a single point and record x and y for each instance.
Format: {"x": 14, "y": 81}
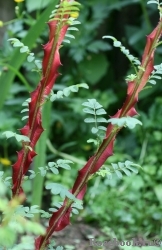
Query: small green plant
{"x": 95, "y": 109}
{"x": 14, "y": 224}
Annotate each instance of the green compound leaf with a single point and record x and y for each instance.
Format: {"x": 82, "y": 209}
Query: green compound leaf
{"x": 125, "y": 51}
{"x": 126, "y": 167}
{"x": 129, "y": 122}
{"x": 57, "y": 188}
{"x": 18, "y": 137}
{"x": 67, "y": 91}
{"x": 94, "y": 108}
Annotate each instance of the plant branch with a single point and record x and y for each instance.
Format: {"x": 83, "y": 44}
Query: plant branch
{"x": 60, "y": 219}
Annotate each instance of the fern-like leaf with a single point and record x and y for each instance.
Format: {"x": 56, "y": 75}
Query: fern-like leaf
{"x": 155, "y": 75}
{"x": 128, "y": 121}
{"x": 66, "y": 91}
{"x": 127, "y": 167}
{"x": 92, "y": 107}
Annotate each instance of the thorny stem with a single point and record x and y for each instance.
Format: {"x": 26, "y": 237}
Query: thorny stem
{"x": 116, "y": 129}
{"x": 112, "y": 136}
{"x": 38, "y": 104}
{"x": 85, "y": 180}
{"x": 142, "y": 71}
{"x": 67, "y": 206}
{"x": 96, "y": 158}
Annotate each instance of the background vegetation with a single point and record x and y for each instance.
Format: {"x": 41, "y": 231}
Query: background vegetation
{"x": 121, "y": 207}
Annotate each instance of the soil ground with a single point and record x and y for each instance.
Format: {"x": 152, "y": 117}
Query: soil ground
{"x": 77, "y": 236}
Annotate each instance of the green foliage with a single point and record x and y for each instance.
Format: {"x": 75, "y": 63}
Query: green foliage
{"x": 127, "y": 167}
{"x": 66, "y": 91}
{"x": 125, "y": 51}
{"x": 128, "y": 121}
{"x": 30, "y": 55}
{"x": 76, "y": 206}
{"x": 53, "y": 166}
{"x": 95, "y": 109}
{"x": 5, "y": 180}
{"x": 23, "y": 49}
{"x": 19, "y": 138}
{"x": 25, "y": 104}
{"x": 14, "y": 224}
{"x": 65, "y": 7}
{"x": 156, "y": 74}
{"x": 57, "y": 188}
{"x": 26, "y": 211}
{"x": 153, "y": 1}
{"x": 134, "y": 61}
{"x": 158, "y": 4}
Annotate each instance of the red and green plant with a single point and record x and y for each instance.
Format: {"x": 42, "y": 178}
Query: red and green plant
{"x": 64, "y": 16}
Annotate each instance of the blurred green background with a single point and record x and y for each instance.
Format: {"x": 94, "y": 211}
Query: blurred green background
{"x": 121, "y": 207}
